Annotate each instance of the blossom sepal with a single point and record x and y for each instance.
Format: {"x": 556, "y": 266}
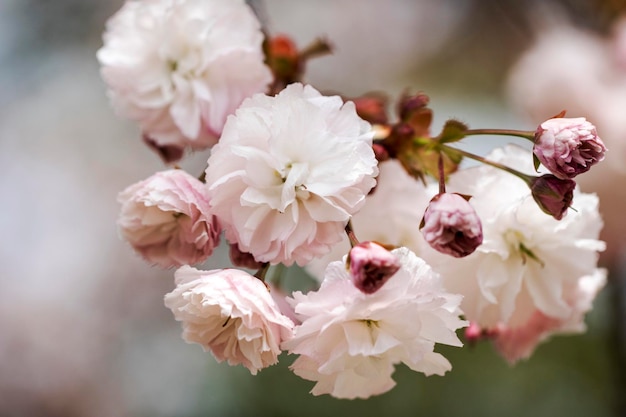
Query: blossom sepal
{"x": 453, "y": 131}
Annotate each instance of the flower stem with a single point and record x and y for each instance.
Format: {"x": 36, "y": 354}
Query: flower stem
{"x": 442, "y": 175}
{"x": 351, "y": 236}
{"x": 260, "y": 274}
{"x": 526, "y": 178}
{"x": 528, "y": 135}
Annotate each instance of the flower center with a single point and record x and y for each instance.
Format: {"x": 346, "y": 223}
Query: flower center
{"x": 369, "y": 323}
{"x": 294, "y": 176}
{"x": 518, "y": 245}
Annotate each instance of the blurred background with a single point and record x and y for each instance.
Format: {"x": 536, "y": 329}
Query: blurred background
{"x": 83, "y": 329}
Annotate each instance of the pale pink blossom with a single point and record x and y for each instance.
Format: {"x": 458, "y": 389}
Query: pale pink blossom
{"x": 528, "y": 261}
{"x": 288, "y": 173}
{"x": 451, "y": 225}
{"x": 568, "y": 146}
{"x": 230, "y": 313}
{"x": 520, "y": 342}
{"x": 167, "y": 219}
{"x": 371, "y": 266}
{"x": 180, "y": 67}
{"x": 349, "y": 341}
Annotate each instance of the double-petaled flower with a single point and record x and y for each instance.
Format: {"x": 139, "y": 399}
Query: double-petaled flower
{"x": 289, "y": 172}
{"x": 230, "y": 313}
{"x": 349, "y": 341}
{"x": 180, "y": 67}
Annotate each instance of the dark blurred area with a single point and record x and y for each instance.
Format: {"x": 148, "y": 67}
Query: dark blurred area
{"x": 83, "y": 329}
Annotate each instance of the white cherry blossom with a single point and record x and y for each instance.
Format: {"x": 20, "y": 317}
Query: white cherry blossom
{"x": 288, "y": 173}
{"x": 528, "y": 261}
{"x": 179, "y": 67}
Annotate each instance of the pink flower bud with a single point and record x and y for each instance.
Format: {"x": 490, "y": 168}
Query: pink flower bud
{"x": 568, "y": 147}
{"x": 408, "y": 104}
{"x": 371, "y": 266}
{"x": 451, "y": 225}
{"x": 372, "y": 107}
{"x": 553, "y": 195}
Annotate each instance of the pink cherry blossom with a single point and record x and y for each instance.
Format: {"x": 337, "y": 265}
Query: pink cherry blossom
{"x": 349, "y": 341}
{"x": 568, "y": 147}
{"x": 230, "y": 313}
{"x": 288, "y": 173}
{"x": 167, "y": 219}
{"x": 515, "y": 343}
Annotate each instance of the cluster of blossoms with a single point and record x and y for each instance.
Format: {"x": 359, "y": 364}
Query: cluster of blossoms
{"x": 294, "y": 176}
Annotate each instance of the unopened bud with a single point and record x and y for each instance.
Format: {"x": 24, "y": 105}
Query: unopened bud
{"x": 451, "y": 225}
{"x": 372, "y": 107}
{"x": 408, "y": 104}
{"x": 552, "y": 194}
{"x": 371, "y": 266}
{"x": 283, "y": 58}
